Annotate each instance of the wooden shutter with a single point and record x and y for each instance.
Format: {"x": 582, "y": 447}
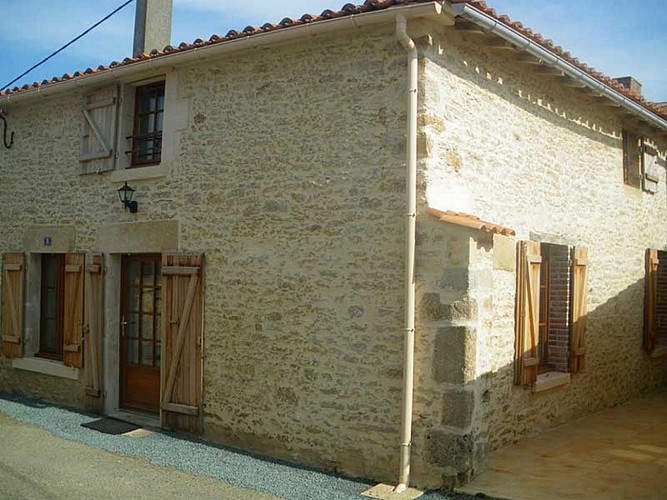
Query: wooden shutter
{"x": 13, "y": 271}
{"x": 579, "y": 305}
{"x": 92, "y": 326}
{"x": 650, "y": 299}
{"x": 527, "y": 313}
{"x": 73, "y": 313}
{"x": 181, "y": 370}
{"x": 98, "y": 131}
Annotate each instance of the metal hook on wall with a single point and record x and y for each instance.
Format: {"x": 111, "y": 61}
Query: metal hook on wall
{"x": 4, "y": 132}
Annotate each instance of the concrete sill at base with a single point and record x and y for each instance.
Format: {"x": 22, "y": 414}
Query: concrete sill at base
{"x": 550, "y": 380}
{"x": 46, "y": 367}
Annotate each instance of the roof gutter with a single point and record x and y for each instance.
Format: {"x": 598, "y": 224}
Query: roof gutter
{"x": 491, "y": 25}
{"x": 164, "y": 62}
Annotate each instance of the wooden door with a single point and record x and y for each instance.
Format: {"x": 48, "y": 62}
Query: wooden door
{"x": 140, "y": 347}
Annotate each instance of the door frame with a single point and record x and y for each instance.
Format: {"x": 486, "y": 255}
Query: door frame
{"x": 137, "y": 369}
{"x": 111, "y": 337}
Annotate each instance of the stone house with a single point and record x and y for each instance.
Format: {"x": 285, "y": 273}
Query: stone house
{"x": 264, "y": 286}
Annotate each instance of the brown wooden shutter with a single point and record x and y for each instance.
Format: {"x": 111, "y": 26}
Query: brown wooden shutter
{"x": 73, "y": 314}
{"x": 527, "y": 313}
{"x": 650, "y": 299}
{"x": 579, "y": 309}
{"x": 181, "y": 370}
{"x": 13, "y": 271}
{"x": 92, "y": 326}
{"x": 98, "y": 131}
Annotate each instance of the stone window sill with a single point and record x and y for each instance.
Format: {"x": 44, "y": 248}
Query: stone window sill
{"x": 46, "y": 367}
{"x": 550, "y": 380}
{"x": 659, "y": 352}
{"x": 139, "y": 173}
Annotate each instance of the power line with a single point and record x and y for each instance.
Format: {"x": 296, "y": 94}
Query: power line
{"x": 67, "y": 44}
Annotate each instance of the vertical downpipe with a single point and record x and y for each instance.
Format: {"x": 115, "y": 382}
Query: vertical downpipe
{"x": 410, "y": 224}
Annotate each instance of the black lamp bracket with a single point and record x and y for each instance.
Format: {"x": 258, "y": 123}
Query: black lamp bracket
{"x": 4, "y": 131}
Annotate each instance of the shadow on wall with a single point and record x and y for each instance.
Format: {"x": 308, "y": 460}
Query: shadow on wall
{"x": 466, "y": 401}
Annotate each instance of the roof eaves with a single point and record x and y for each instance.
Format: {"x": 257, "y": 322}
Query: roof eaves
{"x": 479, "y": 13}
{"x": 628, "y": 98}
{"x": 347, "y": 11}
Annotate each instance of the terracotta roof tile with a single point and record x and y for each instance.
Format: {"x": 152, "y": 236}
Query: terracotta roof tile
{"x": 470, "y": 221}
{"x": 351, "y": 9}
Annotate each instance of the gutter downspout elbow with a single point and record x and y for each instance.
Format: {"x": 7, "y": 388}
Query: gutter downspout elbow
{"x": 410, "y": 225}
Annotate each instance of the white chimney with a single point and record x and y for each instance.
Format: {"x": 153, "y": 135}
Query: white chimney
{"x": 152, "y": 25}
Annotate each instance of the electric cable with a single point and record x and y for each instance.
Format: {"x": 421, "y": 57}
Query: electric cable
{"x": 67, "y": 44}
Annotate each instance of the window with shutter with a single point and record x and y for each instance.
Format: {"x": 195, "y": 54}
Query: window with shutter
{"x": 13, "y": 271}
{"x": 655, "y": 302}
{"x": 61, "y": 308}
{"x": 98, "y": 131}
{"x": 550, "y": 310}
{"x": 182, "y": 367}
{"x": 631, "y": 159}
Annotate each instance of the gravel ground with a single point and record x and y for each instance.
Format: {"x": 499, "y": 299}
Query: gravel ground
{"x": 194, "y": 456}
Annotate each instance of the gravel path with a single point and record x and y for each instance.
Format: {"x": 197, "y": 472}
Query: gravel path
{"x": 193, "y": 456}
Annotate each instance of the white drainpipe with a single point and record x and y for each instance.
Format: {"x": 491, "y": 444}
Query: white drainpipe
{"x": 410, "y": 223}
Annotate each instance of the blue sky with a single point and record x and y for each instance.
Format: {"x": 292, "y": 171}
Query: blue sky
{"x": 616, "y": 37}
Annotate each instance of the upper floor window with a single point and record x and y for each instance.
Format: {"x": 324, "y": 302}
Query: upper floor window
{"x": 148, "y": 123}
{"x": 631, "y": 159}
{"x": 122, "y": 127}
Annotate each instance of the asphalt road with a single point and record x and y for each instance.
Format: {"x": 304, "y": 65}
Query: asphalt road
{"x": 35, "y": 464}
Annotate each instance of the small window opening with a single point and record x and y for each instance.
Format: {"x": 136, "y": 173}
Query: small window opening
{"x": 148, "y": 125}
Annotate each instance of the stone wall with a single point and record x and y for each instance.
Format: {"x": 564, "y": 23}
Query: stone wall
{"x": 285, "y": 167}
{"x": 516, "y": 148}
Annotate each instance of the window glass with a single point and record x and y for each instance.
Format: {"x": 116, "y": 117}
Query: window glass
{"x": 51, "y": 306}
{"x": 148, "y": 123}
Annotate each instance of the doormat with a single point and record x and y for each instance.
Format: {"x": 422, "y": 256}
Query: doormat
{"x": 110, "y": 425}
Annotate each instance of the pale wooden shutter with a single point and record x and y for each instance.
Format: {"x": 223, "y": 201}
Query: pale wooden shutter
{"x": 527, "y": 313}
{"x": 98, "y": 131}
{"x": 579, "y": 305}
{"x": 92, "y": 327}
{"x": 650, "y": 299}
{"x": 181, "y": 370}
{"x": 73, "y": 314}
{"x": 13, "y": 271}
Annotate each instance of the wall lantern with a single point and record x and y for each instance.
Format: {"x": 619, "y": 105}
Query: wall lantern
{"x": 125, "y": 194}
